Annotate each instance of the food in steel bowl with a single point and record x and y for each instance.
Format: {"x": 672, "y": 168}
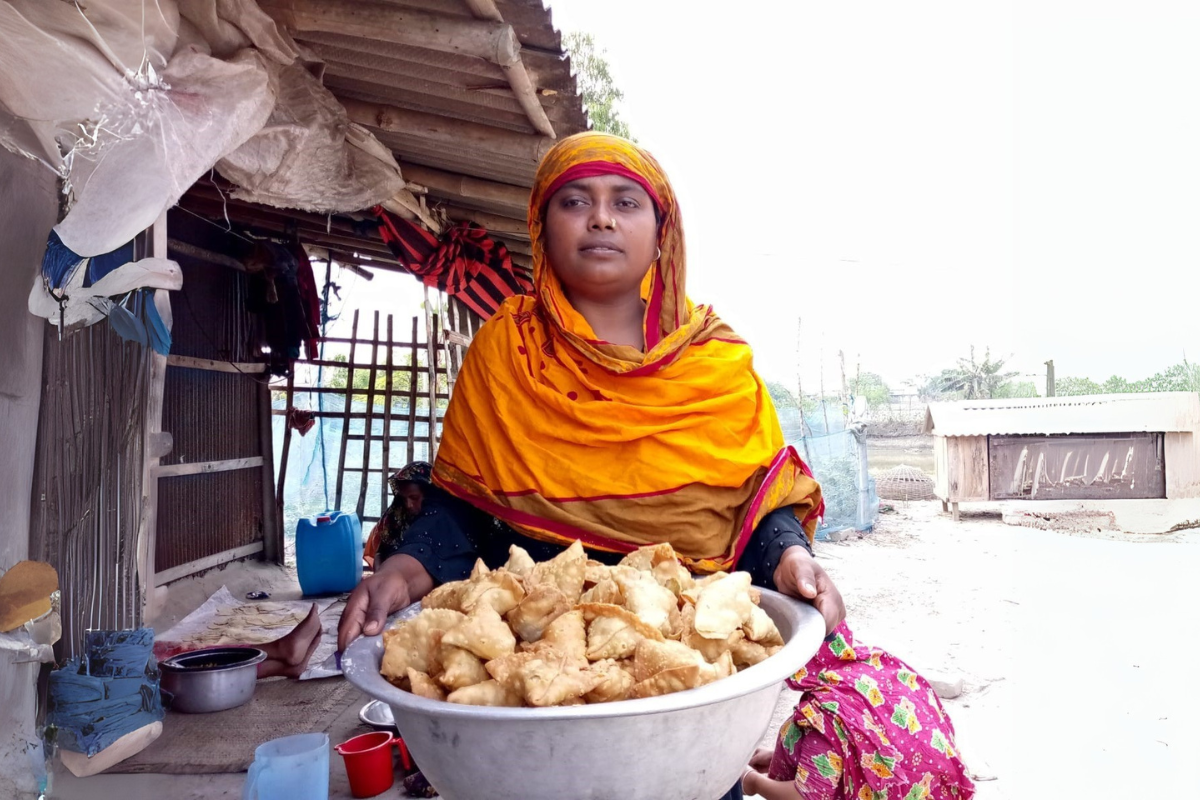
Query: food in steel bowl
{"x": 212, "y": 679}
{"x": 690, "y": 745}
{"x": 571, "y": 631}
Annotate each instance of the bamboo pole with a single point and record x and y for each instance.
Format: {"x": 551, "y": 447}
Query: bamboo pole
{"x": 387, "y": 425}
{"x": 493, "y": 222}
{"x": 449, "y": 132}
{"x": 369, "y": 426}
{"x": 455, "y": 186}
{"x": 431, "y": 365}
{"x": 412, "y": 398}
{"x": 341, "y": 473}
{"x": 485, "y": 9}
{"x": 386, "y": 22}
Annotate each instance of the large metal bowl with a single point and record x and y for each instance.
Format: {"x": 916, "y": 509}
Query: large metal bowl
{"x": 689, "y": 745}
{"x": 213, "y": 679}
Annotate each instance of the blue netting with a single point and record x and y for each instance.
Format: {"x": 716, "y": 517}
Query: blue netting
{"x": 837, "y": 457}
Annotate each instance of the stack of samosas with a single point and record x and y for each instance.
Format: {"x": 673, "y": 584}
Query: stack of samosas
{"x": 570, "y": 631}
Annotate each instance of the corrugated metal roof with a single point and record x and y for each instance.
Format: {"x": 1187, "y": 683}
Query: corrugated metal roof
{"x": 445, "y": 114}
{"x": 1161, "y": 412}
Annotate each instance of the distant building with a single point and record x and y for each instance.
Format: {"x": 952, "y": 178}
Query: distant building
{"x": 1089, "y": 448}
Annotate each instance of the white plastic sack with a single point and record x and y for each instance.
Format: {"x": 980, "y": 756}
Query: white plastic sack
{"x": 88, "y": 305}
{"x": 228, "y": 26}
{"x": 158, "y": 142}
{"x": 60, "y": 62}
{"x": 306, "y": 157}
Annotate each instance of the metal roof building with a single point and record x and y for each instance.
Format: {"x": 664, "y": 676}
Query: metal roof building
{"x": 1102, "y": 447}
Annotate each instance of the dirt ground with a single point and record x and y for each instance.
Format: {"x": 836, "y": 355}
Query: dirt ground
{"x": 1072, "y": 648}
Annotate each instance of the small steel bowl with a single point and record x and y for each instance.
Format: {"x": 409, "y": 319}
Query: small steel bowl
{"x": 213, "y": 679}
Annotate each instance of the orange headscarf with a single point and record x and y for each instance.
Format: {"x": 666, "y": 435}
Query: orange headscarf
{"x": 567, "y": 437}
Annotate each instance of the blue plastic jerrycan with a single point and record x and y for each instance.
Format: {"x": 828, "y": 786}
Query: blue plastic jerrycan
{"x": 329, "y": 553}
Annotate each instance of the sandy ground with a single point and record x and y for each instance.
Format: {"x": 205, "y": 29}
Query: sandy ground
{"x": 1073, "y": 649}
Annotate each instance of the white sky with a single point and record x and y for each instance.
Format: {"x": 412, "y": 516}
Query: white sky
{"x": 912, "y": 178}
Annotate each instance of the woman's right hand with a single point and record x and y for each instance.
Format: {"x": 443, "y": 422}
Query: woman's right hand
{"x": 369, "y": 605}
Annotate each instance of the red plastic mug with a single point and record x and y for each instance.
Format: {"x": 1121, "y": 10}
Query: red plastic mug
{"x": 368, "y": 760}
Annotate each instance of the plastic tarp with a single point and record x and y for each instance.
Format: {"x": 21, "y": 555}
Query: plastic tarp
{"x": 132, "y": 101}
{"x": 306, "y": 156}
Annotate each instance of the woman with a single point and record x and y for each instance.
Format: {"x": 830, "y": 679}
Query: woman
{"x": 867, "y": 726}
{"x": 608, "y": 409}
{"x": 409, "y": 488}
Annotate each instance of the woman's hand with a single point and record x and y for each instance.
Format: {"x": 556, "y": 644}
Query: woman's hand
{"x": 399, "y": 581}
{"x": 799, "y": 575}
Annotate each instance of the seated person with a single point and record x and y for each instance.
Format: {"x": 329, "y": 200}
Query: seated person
{"x": 867, "y": 727}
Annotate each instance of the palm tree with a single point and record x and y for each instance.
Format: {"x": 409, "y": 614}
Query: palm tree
{"x": 975, "y": 380}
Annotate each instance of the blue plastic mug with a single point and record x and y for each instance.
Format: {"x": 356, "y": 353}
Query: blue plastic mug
{"x": 290, "y": 768}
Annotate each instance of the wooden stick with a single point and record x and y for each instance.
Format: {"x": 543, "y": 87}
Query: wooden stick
{"x": 379, "y": 393}
{"x": 412, "y": 398}
{"x": 203, "y": 467}
{"x": 526, "y": 93}
{"x": 369, "y": 426}
{"x": 287, "y": 438}
{"x": 346, "y": 414}
{"x": 340, "y": 415}
{"x": 386, "y": 22}
{"x": 493, "y": 222}
{"x": 484, "y": 9}
{"x": 455, "y": 186}
{"x": 445, "y": 131}
{"x": 207, "y": 256}
{"x": 431, "y": 365}
{"x": 272, "y": 510}
{"x": 387, "y": 425}
{"x": 188, "y": 362}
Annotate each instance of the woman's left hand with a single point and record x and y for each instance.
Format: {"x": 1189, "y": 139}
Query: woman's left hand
{"x": 799, "y": 575}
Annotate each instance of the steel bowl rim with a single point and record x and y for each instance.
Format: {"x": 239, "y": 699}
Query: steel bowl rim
{"x": 167, "y": 665}
{"x": 359, "y": 665}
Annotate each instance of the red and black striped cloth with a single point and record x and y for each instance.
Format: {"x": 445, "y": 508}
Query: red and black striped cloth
{"x": 465, "y": 263}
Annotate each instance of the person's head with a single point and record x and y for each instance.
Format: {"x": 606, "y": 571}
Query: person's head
{"x": 410, "y": 485}
{"x": 601, "y": 235}
{"x": 603, "y": 216}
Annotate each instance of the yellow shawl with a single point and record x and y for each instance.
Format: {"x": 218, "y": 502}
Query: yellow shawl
{"x": 566, "y": 437}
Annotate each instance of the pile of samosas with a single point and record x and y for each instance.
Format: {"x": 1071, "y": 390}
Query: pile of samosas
{"x": 570, "y": 631}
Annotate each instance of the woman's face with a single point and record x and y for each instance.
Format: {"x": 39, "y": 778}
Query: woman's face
{"x": 412, "y": 496}
{"x": 601, "y": 235}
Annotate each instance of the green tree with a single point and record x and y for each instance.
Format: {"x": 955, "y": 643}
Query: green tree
{"x": 1074, "y": 387}
{"x": 873, "y": 388}
{"x": 336, "y": 379}
{"x": 781, "y": 396}
{"x": 971, "y": 379}
{"x": 1014, "y": 389}
{"x": 600, "y": 94}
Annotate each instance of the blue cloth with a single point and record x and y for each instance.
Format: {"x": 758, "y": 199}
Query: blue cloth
{"x": 101, "y": 265}
{"x": 111, "y": 691}
{"x": 59, "y": 262}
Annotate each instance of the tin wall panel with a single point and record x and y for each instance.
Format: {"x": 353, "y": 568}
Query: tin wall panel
{"x": 209, "y": 513}
{"x": 211, "y": 415}
{"x": 1093, "y": 467}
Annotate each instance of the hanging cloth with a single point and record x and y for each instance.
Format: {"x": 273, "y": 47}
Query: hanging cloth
{"x": 465, "y": 263}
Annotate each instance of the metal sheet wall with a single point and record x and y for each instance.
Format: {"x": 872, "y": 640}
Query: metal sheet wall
{"x": 211, "y": 415}
{"x": 209, "y": 513}
{"x": 1114, "y": 466}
